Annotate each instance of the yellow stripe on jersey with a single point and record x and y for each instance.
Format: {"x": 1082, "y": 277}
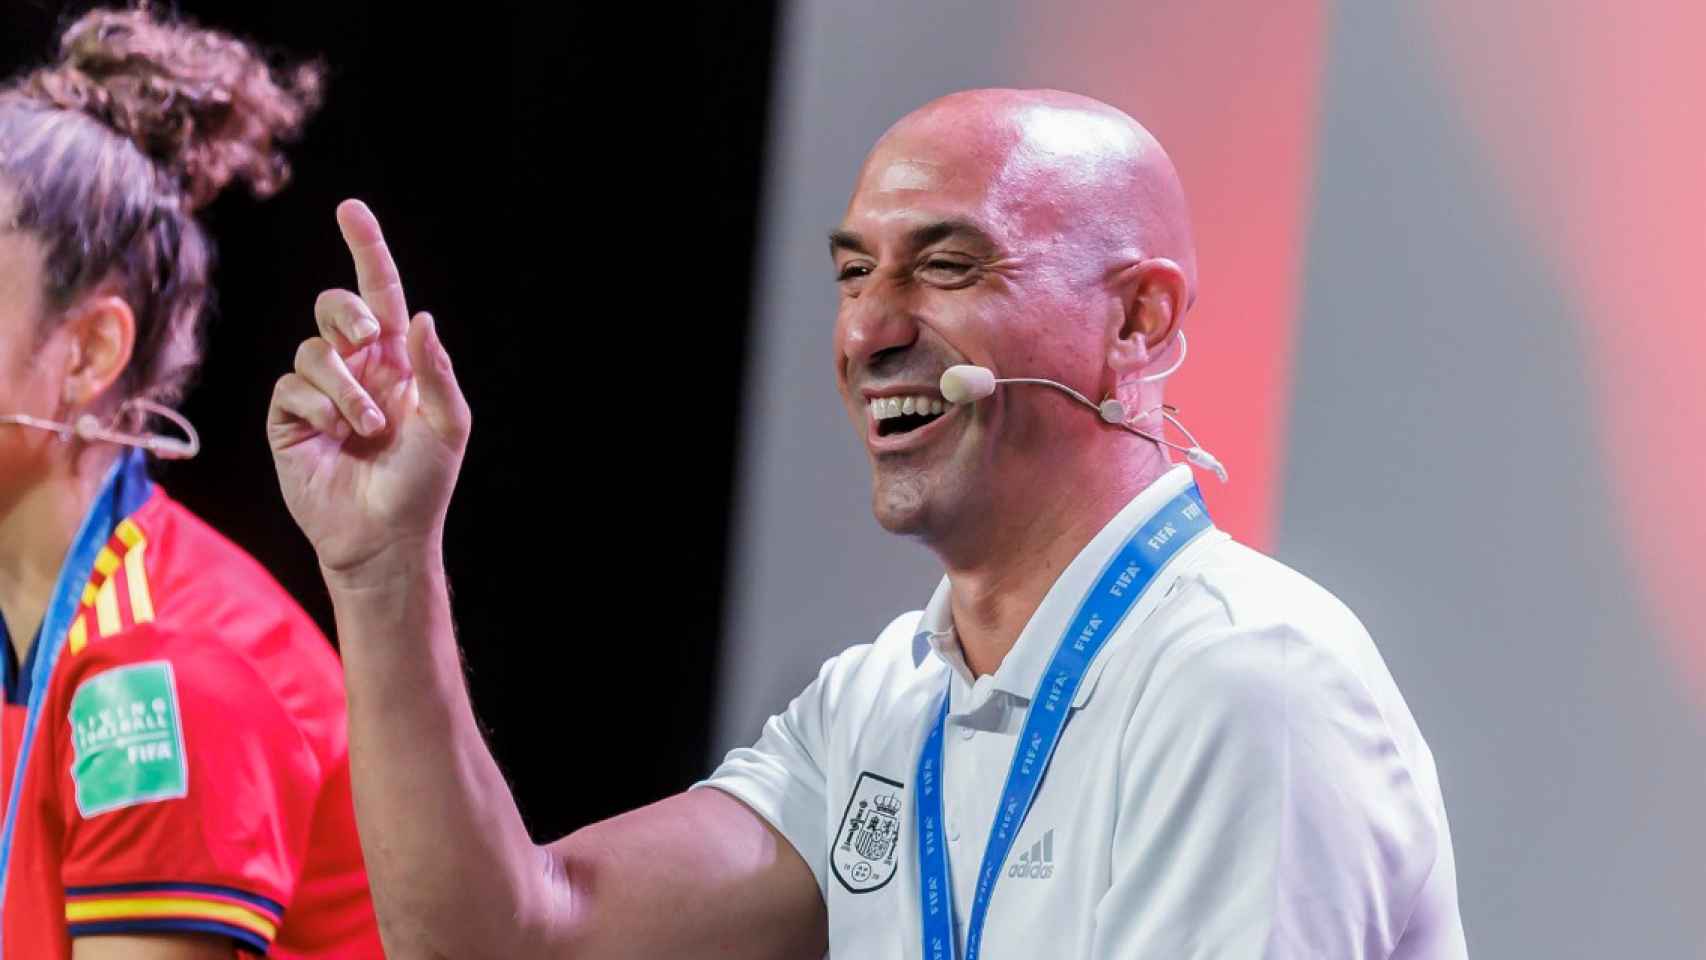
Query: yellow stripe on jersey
{"x": 88, "y": 594}
{"x": 141, "y": 603}
{"x": 136, "y": 908}
{"x": 106, "y": 562}
{"x": 129, "y": 533}
{"x": 106, "y": 608}
{"x": 78, "y": 638}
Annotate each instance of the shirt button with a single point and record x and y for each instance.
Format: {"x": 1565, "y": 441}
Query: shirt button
{"x": 966, "y": 733}
{"x": 953, "y": 832}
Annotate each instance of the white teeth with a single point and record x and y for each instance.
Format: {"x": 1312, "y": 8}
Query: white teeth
{"x": 884, "y": 408}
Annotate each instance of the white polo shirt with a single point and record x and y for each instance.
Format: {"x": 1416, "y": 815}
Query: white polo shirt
{"x": 1239, "y": 777}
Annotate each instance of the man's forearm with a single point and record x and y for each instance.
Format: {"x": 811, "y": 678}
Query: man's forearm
{"x": 453, "y": 870}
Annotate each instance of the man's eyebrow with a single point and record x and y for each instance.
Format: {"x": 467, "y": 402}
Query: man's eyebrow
{"x": 919, "y": 237}
{"x": 956, "y": 228}
{"x": 845, "y": 240}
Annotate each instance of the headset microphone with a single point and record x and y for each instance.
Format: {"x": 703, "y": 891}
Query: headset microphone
{"x": 966, "y": 383}
{"x": 87, "y": 428}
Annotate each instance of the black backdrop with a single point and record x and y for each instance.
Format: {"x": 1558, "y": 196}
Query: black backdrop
{"x": 574, "y": 196}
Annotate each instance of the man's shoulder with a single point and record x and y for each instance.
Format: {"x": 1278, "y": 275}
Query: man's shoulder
{"x": 1251, "y": 644}
{"x": 1240, "y": 633}
{"x": 897, "y": 640}
{"x": 894, "y": 652}
{"x": 1251, "y": 591}
{"x": 875, "y": 683}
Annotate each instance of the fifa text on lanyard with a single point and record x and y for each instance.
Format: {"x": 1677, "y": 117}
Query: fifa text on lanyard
{"x": 1117, "y": 590}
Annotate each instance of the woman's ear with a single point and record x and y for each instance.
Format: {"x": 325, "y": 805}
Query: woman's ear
{"x": 102, "y": 336}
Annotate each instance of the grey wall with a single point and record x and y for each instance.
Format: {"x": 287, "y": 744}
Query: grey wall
{"x": 1445, "y": 479}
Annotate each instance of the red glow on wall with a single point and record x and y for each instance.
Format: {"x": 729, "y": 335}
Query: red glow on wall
{"x": 1594, "y": 117}
{"x": 1230, "y": 87}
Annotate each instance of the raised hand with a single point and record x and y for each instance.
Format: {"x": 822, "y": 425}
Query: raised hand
{"x": 368, "y": 431}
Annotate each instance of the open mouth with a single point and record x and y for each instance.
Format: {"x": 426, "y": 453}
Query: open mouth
{"x": 897, "y": 415}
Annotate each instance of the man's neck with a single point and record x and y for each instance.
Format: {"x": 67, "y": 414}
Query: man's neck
{"x": 997, "y": 590}
{"x": 36, "y": 530}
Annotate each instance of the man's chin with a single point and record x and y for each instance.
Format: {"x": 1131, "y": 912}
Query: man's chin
{"x": 901, "y": 504}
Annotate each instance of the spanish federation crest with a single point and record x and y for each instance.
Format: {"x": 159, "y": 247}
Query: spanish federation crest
{"x": 866, "y": 848}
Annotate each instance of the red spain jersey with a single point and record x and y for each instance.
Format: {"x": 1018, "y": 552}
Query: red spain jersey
{"x": 175, "y": 752}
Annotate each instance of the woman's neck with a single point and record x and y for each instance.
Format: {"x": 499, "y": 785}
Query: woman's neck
{"x": 36, "y": 530}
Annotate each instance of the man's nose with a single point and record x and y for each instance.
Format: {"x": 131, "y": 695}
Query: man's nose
{"x": 873, "y": 326}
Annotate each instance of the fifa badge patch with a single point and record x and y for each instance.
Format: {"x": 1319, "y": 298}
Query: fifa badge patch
{"x": 128, "y": 740}
{"x": 866, "y": 847}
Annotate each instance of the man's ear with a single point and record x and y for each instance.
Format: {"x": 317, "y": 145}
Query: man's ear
{"x": 1155, "y": 295}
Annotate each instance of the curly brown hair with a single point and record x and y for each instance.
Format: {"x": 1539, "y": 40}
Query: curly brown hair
{"x": 111, "y": 149}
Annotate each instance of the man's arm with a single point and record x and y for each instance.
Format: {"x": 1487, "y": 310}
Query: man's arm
{"x": 367, "y": 436}
{"x": 453, "y": 870}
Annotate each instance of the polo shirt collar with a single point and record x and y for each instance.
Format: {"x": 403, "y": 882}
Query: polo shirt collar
{"x": 1022, "y": 669}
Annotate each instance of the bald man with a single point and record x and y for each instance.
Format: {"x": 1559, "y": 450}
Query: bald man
{"x": 1111, "y": 732}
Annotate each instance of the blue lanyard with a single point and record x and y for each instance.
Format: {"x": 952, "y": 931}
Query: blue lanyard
{"x": 97, "y": 527}
{"x": 1117, "y": 590}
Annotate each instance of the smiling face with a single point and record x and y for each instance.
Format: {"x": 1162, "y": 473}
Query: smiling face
{"x": 983, "y": 229}
{"x": 1034, "y": 233}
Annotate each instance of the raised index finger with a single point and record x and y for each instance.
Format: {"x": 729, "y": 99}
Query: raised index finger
{"x": 375, "y": 272}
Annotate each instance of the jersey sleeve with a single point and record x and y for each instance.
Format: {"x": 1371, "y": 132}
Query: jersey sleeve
{"x": 781, "y": 777}
{"x": 186, "y": 789}
{"x": 1266, "y": 812}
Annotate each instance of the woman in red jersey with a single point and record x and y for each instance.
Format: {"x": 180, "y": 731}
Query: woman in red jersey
{"x": 174, "y": 776}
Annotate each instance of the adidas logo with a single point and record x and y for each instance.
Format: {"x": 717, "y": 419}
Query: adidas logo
{"x": 1036, "y": 863}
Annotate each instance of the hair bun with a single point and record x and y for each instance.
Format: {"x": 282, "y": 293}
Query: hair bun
{"x": 204, "y": 105}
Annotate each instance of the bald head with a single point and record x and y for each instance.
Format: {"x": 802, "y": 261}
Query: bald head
{"x": 1052, "y": 166}
{"x": 1034, "y": 233}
